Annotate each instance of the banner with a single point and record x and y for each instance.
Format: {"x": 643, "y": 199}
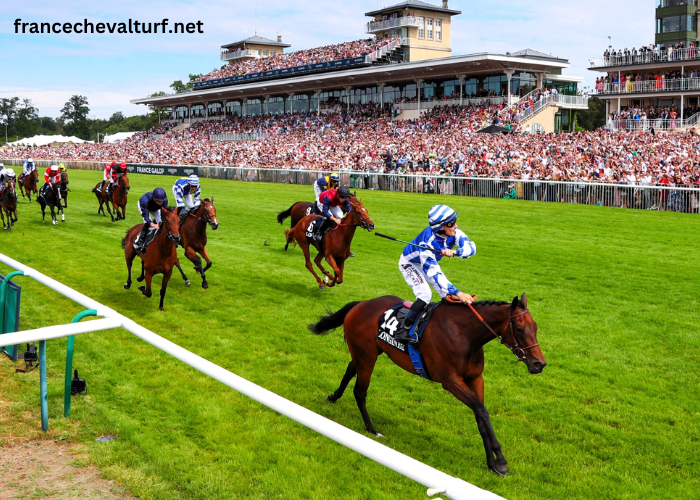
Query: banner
{"x": 180, "y": 171}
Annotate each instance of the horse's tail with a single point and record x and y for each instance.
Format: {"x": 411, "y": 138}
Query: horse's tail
{"x": 333, "y": 320}
{"x": 124, "y": 238}
{"x": 283, "y": 215}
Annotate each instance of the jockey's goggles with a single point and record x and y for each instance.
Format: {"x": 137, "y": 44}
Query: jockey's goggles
{"x": 452, "y": 223}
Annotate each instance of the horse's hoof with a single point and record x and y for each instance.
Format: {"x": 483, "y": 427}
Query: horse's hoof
{"x": 127, "y": 286}
{"x": 500, "y": 469}
{"x": 205, "y": 285}
{"x": 160, "y": 308}
{"x": 188, "y": 282}
{"x": 331, "y": 398}
{"x": 322, "y": 287}
{"x": 139, "y": 279}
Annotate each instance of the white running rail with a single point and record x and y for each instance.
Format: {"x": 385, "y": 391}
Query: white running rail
{"x": 435, "y": 480}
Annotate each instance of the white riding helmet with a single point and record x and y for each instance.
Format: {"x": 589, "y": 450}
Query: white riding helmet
{"x": 440, "y": 215}
{"x": 54, "y": 168}
{"x": 193, "y": 180}
{"x": 30, "y": 160}
{"x": 9, "y": 173}
{"x": 2, "y": 165}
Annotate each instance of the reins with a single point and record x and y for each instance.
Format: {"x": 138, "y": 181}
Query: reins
{"x": 518, "y": 351}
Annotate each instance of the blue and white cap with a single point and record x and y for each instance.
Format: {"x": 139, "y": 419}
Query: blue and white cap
{"x": 193, "y": 180}
{"x": 440, "y": 215}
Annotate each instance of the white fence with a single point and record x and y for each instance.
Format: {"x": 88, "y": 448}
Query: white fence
{"x": 448, "y": 102}
{"x": 645, "y": 125}
{"x": 649, "y": 86}
{"x": 253, "y": 136}
{"x": 435, "y": 480}
{"x": 648, "y": 57}
{"x": 382, "y": 51}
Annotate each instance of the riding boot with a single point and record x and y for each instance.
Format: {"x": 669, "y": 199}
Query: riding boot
{"x": 402, "y": 334}
{"x": 141, "y": 238}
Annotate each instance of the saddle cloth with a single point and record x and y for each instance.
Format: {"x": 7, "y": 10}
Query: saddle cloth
{"x": 313, "y": 209}
{"x": 150, "y": 236}
{"x": 389, "y": 325}
{"x": 314, "y": 229}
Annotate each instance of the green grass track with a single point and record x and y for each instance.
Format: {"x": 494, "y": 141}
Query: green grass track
{"x": 615, "y": 414}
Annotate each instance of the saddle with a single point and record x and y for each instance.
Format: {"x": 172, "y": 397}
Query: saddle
{"x": 150, "y": 236}
{"x": 389, "y": 325}
{"x": 316, "y": 230}
{"x": 313, "y": 209}
{"x": 184, "y": 213}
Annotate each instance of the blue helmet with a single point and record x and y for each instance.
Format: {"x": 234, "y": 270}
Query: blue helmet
{"x": 440, "y": 215}
{"x": 159, "y": 194}
{"x": 335, "y": 177}
{"x": 193, "y": 180}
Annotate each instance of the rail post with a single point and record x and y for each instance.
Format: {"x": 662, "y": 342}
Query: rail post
{"x": 69, "y": 361}
{"x": 3, "y": 292}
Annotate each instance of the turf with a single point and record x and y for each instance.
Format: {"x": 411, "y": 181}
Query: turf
{"x": 614, "y": 292}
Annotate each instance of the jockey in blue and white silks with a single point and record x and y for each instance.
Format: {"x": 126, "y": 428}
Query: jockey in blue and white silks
{"x": 421, "y": 267}
{"x": 186, "y": 192}
{"x": 27, "y": 168}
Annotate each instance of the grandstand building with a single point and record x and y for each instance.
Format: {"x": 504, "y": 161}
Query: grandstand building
{"x": 407, "y": 65}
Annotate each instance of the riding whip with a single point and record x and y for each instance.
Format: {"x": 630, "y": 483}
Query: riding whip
{"x": 408, "y": 243}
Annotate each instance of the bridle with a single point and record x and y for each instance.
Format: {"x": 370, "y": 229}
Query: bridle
{"x": 362, "y": 222}
{"x": 515, "y": 348}
{"x": 175, "y": 239}
{"x": 206, "y": 220}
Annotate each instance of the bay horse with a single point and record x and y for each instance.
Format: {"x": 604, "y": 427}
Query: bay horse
{"x": 63, "y": 186}
{"x": 8, "y": 205}
{"x": 193, "y": 232}
{"x": 50, "y": 199}
{"x": 335, "y": 246}
{"x": 297, "y": 212}
{"x": 29, "y": 184}
{"x": 118, "y": 197}
{"x": 159, "y": 257}
{"x": 452, "y": 347}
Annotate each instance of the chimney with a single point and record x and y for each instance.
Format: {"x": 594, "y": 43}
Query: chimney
{"x": 279, "y": 38}
{"x": 444, "y": 4}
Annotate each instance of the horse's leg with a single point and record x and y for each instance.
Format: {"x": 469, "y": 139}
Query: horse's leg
{"x": 129, "y": 254}
{"x": 182, "y": 273}
{"x": 319, "y": 264}
{"x": 60, "y": 207}
{"x": 2, "y": 215}
{"x": 456, "y": 385}
{"x": 364, "y": 374}
{"x": 43, "y": 212}
{"x": 21, "y": 190}
{"x": 109, "y": 210}
{"x": 205, "y": 254}
{"x": 54, "y": 221}
{"x": 146, "y": 290}
{"x": 341, "y": 268}
{"x": 305, "y": 248}
{"x": 143, "y": 273}
{"x": 349, "y": 374}
{"x": 163, "y": 288}
{"x": 336, "y": 272}
{"x": 477, "y": 387}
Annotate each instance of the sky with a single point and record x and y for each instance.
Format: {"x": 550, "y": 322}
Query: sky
{"x": 112, "y": 69}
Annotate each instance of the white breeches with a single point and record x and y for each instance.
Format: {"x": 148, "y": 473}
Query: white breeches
{"x": 335, "y": 211}
{"x": 317, "y": 191}
{"x": 155, "y": 216}
{"x": 186, "y": 201}
{"x": 417, "y": 280}
{"x": 106, "y": 177}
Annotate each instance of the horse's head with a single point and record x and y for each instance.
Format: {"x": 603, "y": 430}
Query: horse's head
{"x": 123, "y": 181}
{"x": 170, "y": 225}
{"x": 360, "y": 214}
{"x": 522, "y": 336}
{"x": 208, "y": 213}
{"x": 11, "y": 188}
{"x": 64, "y": 178}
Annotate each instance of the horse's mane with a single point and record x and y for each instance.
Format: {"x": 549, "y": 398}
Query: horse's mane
{"x": 493, "y": 303}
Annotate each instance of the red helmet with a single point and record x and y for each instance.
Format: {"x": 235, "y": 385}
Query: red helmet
{"x": 122, "y": 165}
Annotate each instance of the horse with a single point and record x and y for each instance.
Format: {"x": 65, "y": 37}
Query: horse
{"x": 297, "y": 211}
{"x": 452, "y": 347}
{"x": 193, "y": 232}
{"x": 63, "y": 186}
{"x": 335, "y": 246}
{"x": 28, "y": 184}
{"x": 8, "y": 205}
{"x": 159, "y": 257}
{"x": 50, "y": 198}
{"x": 118, "y": 197}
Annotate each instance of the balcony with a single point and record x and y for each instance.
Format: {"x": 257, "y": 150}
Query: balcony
{"x": 674, "y": 3}
{"x": 239, "y": 54}
{"x": 655, "y": 57}
{"x": 399, "y": 22}
{"x": 650, "y": 86}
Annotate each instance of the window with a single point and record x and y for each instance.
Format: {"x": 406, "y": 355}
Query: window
{"x": 265, "y": 52}
{"x": 430, "y": 28}
{"x": 272, "y": 52}
{"x": 438, "y": 30}
{"x": 421, "y": 27}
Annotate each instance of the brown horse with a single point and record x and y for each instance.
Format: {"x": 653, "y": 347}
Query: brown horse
{"x": 297, "y": 211}
{"x": 63, "y": 186}
{"x": 118, "y": 197}
{"x": 8, "y": 205}
{"x": 193, "y": 232}
{"x": 335, "y": 246}
{"x": 29, "y": 184}
{"x": 452, "y": 347}
{"x": 160, "y": 256}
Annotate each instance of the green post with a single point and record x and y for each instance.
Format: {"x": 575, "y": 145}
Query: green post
{"x": 69, "y": 361}
{"x": 42, "y": 386}
{"x": 3, "y": 291}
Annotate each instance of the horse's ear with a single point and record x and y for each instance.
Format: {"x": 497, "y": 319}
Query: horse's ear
{"x": 515, "y": 303}
{"x": 164, "y": 209}
{"x": 523, "y": 299}
{"x": 212, "y": 199}
{"x": 354, "y": 194}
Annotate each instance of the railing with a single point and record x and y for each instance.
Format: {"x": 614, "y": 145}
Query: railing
{"x": 564, "y": 101}
{"x": 674, "y": 3}
{"x": 403, "y": 106}
{"x": 237, "y": 54}
{"x": 399, "y": 22}
{"x": 253, "y": 136}
{"x": 658, "y": 124}
{"x": 435, "y": 480}
{"x": 382, "y": 51}
{"x": 648, "y": 57}
{"x": 646, "y": 86}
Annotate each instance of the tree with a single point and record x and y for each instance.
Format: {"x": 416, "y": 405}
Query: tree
{"x": 8, "y": 108}
{"x": 154, "y": 110}
{"x": 593, "y": 117}
{"x": 116, "y": 117}
{"x": 181, "y": 88}
{"x": 27, "y": 119}
{"x": 75, "y": 116}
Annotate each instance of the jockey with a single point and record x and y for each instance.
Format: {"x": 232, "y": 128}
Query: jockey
{"x": 186, "y": 192}
{"x": 6, "y": 174}
{"x": 324, "y": 184}
{"x": 52, "y": 177}
{"x": 150, "y": 204}
{"x": 421, "y": 268}
{"x": 330, "y": 203}
{"x": 27, "y": 169}
{"x": 107, "y": 177}
{"x": 115, "y": 171}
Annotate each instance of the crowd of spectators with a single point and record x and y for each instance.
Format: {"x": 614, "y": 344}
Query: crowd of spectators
{"x": 442, "y": 142}
{"x": 651, "y": 53}
{"x": 327, "y": 53}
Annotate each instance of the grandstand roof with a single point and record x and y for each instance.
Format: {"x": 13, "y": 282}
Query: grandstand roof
{"x": 413, "y": 4}
{"x": 259, "y": 40}
{"x": 532, "y": 53}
